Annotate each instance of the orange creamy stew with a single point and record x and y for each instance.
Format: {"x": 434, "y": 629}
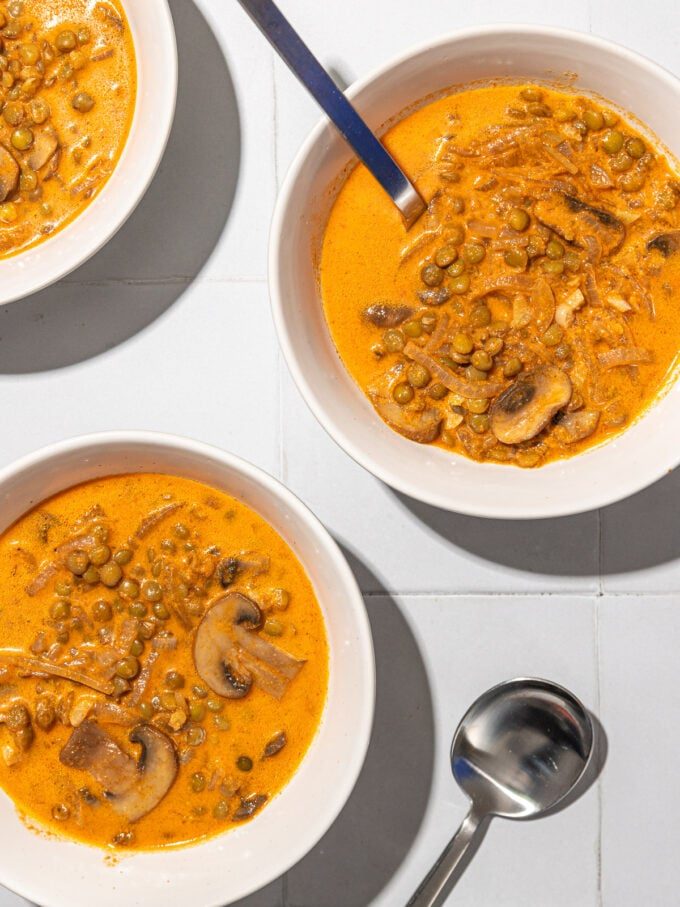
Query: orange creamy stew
{"x": 164, "y": 662}
{"x": 67, "y": 96}
{"x": 532, "y": 311}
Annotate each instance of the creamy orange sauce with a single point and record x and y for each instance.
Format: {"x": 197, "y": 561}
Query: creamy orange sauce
{"x": 480, "y": 156}
{"x": 78, "y": 620}
{"x": 68, "y": 85}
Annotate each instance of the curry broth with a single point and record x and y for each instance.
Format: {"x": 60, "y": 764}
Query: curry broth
{"x": 68, "y": 85}
{"x": 212, "y": 782}
{"x": 370, "y": 267}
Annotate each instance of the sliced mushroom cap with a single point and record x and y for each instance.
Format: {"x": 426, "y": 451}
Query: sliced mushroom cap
{"x": 133, "y": 788}
{"x": 387, "y": 315}
{"x": 228, "y": 655}
{"x": 44, "y": 149}
{"x": 666, "y": 243}
{"x": 574, "y": 427}
{"x": 576, "y": 222}
{"x": 526, "y": 407}
{"x": 422, "y": 427}
{"x": 9, "y": 174}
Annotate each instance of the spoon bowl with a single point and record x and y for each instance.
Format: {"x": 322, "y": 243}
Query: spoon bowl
{"x": 519, "y": 750}
{"x": 521, "y": 747}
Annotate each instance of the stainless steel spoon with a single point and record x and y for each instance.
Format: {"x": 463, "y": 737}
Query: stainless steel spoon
{"x": 368, "y": 148}
{"x": 520, "y": 749}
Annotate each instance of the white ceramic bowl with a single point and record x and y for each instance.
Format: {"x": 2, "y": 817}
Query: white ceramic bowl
{"x": 642, "y": 454}
{"x": 156, "y": 50}
{"x": 231, "y": 866}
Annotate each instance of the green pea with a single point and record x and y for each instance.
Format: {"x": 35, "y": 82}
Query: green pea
{"x": 244, "y": 763}
{"x": 418, "y": 375}
{"x": 493, "y": 346}
{"x": 152, "y": 591}
{"x": 516, "y": 258}
{"x": 174, "y": 680}
{"x": 221, "y": 810}
{"x": 62, "y": 588}
{"x": 460, "y": 285}
{"x": 215, "y": 705}
{"x": 479, "y": 423}
{"x": 273, "y": 627}
{"x": 431, "y": 275}
{"x": 553, "y": 335}
{"x": 102, "y": 611}
{"x": 446, "y": 256}
{"x": 610, "y": 118}
{"x": 199, "y": 691}
{"x": 394, "y": 341}
{"x": 82, "y": 102}
{"x": 482, "y": 360}
{"x": 480, "y": 316}
{"x": 612, "y": 141}
{"x": 593, "y": 120}
{"x": 137, "y": 648}
{"x": 403, "y": 393}
{"x": 539, "y": 110}
{"x": 553, "y": 267}
{"x": 196, "y": 711}
{"x": 635, "y": 148}
{"x": 66, "y": 41}
{"x": 22, "y": 138}
{"x": 100, "y": 555}
{"x": 91, "y": 575}
{"x": 123, "y": 557}
{"x": 462, "y": 343}
{"x": 60, "y": 610}
{"x": 621, "y": 162}
{"x": 77, "y": 562}
{"x": 535, "y": 247}
{"x": 477, "y": 406}
{"x": 456, "y": 269}
{"x": 13, "y": 113}
{"x": 110, "y": 574}
{"x": 473, "y": 253}
{"x": 160, "y": 611}
{"x": 129, "y": 588}
{"x": 146, "y": 711}
{"x": 554, "y": 249}
{"x": 181, "y": 531}
{"x": 137, "y": 609}
{"x": 512, "y": 367}
{"x": 221, "y": 722}
{"x": 437, "y": 391}
{"x": 168, "y": 701}
{"x": 632, "y": 181}
{"x": 518, "y": 219}
{"x": 413, "y": 329}
{"x": 531, "y": 94}
{"x": 198, "y": 782}
{"x": 128, "y": 667}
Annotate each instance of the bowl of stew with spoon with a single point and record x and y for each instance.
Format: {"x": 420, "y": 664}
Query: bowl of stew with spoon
{"x": 88, "y": 96}
{"x": 187, "y": 691}
{"x": 512, "y": 354}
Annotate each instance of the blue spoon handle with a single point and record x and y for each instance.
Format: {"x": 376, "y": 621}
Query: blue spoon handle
{"x": 292, "y": 49}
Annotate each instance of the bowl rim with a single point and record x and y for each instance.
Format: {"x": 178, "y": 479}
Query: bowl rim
{"x": 599, "y": 496}
{"x": 324, "y": 817}
{"x": 94, "y": 241}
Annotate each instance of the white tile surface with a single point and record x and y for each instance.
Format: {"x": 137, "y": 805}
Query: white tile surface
{"x": 168, "y": 328}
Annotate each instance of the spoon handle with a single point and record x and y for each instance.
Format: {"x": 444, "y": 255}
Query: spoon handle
{"x": 435, "y": 882}
{"x": 290, "y": 46}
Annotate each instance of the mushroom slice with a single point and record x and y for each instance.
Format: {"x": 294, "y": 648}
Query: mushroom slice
{"x": 9, "y": 173}
{"x": 577, "y": 222}
{"x": 666, "y": 243}
{"x": 228, "y": 655}
{"x": 528, "y": 405}
{"x": 133, "y": 788}
{"x": 45, "y": 147}
{"x": 422, "y": 427}
{"x": 574, "y": 427}
{"x": 386, "y": 315}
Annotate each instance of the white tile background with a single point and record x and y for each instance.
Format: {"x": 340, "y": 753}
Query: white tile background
{"x": 168, "y": 328}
